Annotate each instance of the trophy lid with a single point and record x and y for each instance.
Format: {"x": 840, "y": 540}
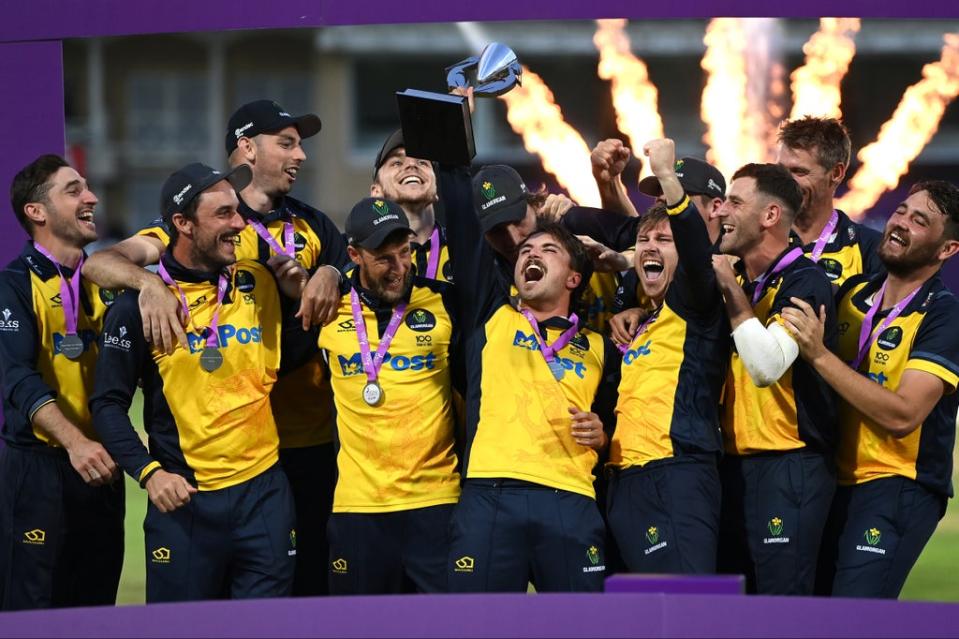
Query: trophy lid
{"x": 495, "y": 60}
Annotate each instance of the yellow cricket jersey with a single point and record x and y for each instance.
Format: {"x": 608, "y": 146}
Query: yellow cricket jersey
{"x": 398, "y": 455}
{"x": 33, "y": 369}
{"x": 924, "y": 338}
{"x": 799, "y": 410}
{"x": 317, "y": 242}
{"x": 598, "y": 300}
{"x": 851, "y": 249}
{"x": 672, "y": 371}
{"x": 215, "y": 428}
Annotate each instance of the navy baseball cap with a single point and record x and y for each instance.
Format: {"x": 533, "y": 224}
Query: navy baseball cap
{"x": 696, "y": 176}
{"x": 372, "y": 220}
{"x": 266, "y": 116}
{"x": 185, "y": 184}
{"x": 395, "y": 141}
{"x": 499, "y": 196}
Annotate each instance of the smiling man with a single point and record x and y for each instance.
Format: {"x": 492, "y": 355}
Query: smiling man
{"x": 896, "y": 371}
{"x": 61, "y": 512}
{"x": 664, "y": 495}
{"x": 779, "y": 416}
{"x": 220, "y": 520}
{"x": 536, "y": 383}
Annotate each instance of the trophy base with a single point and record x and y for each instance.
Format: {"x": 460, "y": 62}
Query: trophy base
{"x": 436, "y": 127}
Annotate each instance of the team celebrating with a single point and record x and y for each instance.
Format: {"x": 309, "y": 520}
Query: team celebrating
{"x": 476, "y": 386}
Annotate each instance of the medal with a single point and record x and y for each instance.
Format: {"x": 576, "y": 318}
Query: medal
{"x": 372, "y": 393}
{"x": 71, "y": 346}
{"x": 211, "y": 359}
{"x": 555, "y": 364}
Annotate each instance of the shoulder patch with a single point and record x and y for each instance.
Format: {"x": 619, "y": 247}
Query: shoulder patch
{"x": 420, "y": 320}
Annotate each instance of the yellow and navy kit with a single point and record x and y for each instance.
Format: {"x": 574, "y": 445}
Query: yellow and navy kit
{"x": 33, "y": 371}
{"x": 799, "y": 410}
{"x": 672, "y": 373}
{"x": 214, "y": 428}
{"x": 421, "y": 257}
{"x": 517, "y": 417}
{"x": 317, "y": 242}
{"x": 924, "y": 338}
{"x": 398, "y": 455}
{"x": 852, "y": 249}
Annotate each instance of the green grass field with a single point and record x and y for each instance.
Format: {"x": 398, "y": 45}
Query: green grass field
{"x": 932, "y": 579}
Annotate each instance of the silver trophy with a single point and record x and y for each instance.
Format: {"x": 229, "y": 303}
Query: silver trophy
{"x": 437, "y": 126}
{"x": 494, "y": 72}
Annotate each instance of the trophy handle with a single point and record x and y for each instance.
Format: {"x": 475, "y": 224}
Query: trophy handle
{"x": 456, "y": 74}
{"x": 513, "y": 76}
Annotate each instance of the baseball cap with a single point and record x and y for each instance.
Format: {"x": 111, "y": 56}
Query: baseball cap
{"x": 372, "y": 220}
{"x": 392, "y": 143}
{"x": 187, "y": 183}
{"x": 696, "y": 176}
{"x": 499, "y": 196}
{"x": 265, "y": 116}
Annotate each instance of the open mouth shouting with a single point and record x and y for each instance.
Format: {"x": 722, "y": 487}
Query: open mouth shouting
{"x": 652, "y": 267}
{"x": 533, "y": 271}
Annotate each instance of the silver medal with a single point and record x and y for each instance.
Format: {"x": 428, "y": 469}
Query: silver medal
{"x": 557, "y": 369}
{"x": 372, "y": 394}
{"x": 211, "y": 359}
{"x": 71, "y": 346}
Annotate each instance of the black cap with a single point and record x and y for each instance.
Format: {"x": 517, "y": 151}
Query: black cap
{"x": 499, "y": 196}
{"x": 185, "y": 184}
{"x": 696, "y": 176}
{"x": 266, "y": 116}
{"x": 392, "y": 143}
{"x": 372, "y": 220}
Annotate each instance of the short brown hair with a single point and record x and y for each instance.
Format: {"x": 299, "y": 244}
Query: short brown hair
{"x": 653, "y": 217}
{"x": 827, "y": 136}
{"x": 537, "y": 198}
{"x": 32, "y": 184}
{"x": 946, "y": 198}
{"x": 774, "y": 181}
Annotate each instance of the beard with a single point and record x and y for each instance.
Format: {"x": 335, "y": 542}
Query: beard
{"x": 379, "y": 289}
{"x": 206, "y": 251}
{"x": 909, "y": 261}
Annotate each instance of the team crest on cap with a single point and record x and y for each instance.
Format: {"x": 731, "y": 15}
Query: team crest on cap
{"x": 489, "y": 191}
{"x": 380, "y": 207}
{"x": 679, "y": 165}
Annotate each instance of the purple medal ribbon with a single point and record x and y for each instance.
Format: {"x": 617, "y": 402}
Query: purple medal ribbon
{"x": 372, "y": 363}
{"x": 866, "y": 335}
{"x": 212, "y": 338}
{"x": 639, "y": 331}
{"x": 288, "y": 248}
{"x": 549, "y": 350}
{"x": 781, "y": 265}
{"x": 69, "y": 290}
{"x": 435, "y": 249}
{"x": 824, "y": 237}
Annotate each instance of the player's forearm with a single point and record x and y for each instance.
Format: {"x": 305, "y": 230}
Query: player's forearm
{"x": 112, "y": 268}
{"x": 737, "y": 305}
{"x": 51, "y": 421}
{"x": 614, "y": 198}
{"x": 885, "y": 408}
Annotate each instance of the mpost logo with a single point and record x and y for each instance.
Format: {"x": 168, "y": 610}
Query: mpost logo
{"x": 528, "y": 342}
{"x": 353, "y": 365}
{"x": 340, "y": 566}
{"x": 633, "y": 354}
{"x": 161, "y": 555}
{"x": 89, "y": 338}
{"x": 226, "y": 334}
{"x": 35, "y": 537}
{"x": 464, "y": 564}
{"x": 8, "y": 323}
{"x": 120, "y": 341}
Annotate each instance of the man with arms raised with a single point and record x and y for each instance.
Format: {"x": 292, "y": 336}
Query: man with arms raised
{"x": 896, "y": 372}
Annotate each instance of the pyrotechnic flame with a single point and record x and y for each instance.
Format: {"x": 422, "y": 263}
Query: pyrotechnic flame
{"x": 534, "y": 114}
{"x": 635, "y": 97}
{"x": 815, "y": 85}
{"x": 904, "y": 135}
{"x": 731, "y": 125}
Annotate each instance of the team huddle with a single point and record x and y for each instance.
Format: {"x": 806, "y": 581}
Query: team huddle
{"x": 476, "y": 386}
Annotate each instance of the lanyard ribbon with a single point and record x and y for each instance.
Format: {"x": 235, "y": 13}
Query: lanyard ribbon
{"x": 435, "y": 249}
{"x": 639, "y": 331}
{"x": 549, "y": 350}
{"x": 212, "y": 338}
{"x": 780, "y": 266}
{"x": 823, "y": 238}
{"x": 866, "y": 335}
{"x": 69, "y": 290}
{"x": 373, "y": 363}
{"x": 288, "y": 248}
